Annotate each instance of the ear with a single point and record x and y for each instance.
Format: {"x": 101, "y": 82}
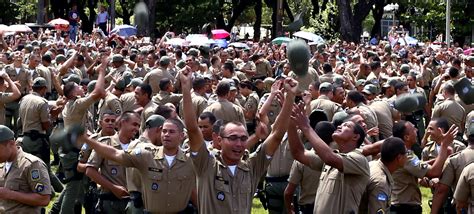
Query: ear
{"x": 356, "y": 137}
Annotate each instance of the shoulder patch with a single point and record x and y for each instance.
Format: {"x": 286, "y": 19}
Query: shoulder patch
{"x": 39, "y": 187}
{"x": 380, "y": 211}
{"x": 382, "y": 197}
{"x": 35, "y": 175}
{"x": 415, "y": 161}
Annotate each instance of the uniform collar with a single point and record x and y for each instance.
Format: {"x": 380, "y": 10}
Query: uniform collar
{"x": 20, "y": 154}
{"x": 115, "y": 141}
{"x": 323, "y": 97}
{"x": 159, "y": 155}
{"x": 241, "y": 165}
{"x": 386, "y": 171}
{"x": 162, "y": 92}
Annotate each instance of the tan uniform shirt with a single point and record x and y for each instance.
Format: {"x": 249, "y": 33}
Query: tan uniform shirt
{"x": 22, "y": 76}
{"x": 140, "y": 71}
{"x": 341, "y": 192}
{"x": 134, "y": 178}
{"x": 221, "y": 192}
{"x": 282, "y": 160}
{"x": 454, "y": 167}
{"x": 405, "y": 187}
{"x": 263, "y": 68}
{"x": 164, "y": 97}
{"x": 147, "y": 111}
{"x": 385, "y": 115}
{"x": 86, "y": 150}
{"x": 327, "y": 77}
{"x": 74, "y": 111}
{"x": 250, "y": 105}
{"x": 275, "y": 108}
{"x": 324, "y": 103}
{"x": 308, "y": 179}
{"x": 27, "y": 174}
{"x": 451, "y": 110}
{"x": 369, "y": 115}
{"x": 154, "y": 76}
{"x": 128, "y": 101}
{"x": 431, "y": 149}
{"x": 465, "y": 188}
{"x": 45, "y": 72}
{"x": 226, "y": 111}
{"x": 5, "y": 97}
{"x": 110, "y": 170}
{"x": 306, "y": 80}
{"x": 249, "y": 65}
{"x": 110, "y": 102}
{"x": 34, "y": 110}
{"x": 199, "y": 103}
{"x": 376, "y": 198}
{"x": 166, "y": 188}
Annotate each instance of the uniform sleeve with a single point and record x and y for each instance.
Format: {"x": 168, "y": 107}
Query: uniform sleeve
{"x": 295, "y": 173}
{"x": 202, "y": 160}
{"x": 355, "y": 163}
{"x": 436, "y": 112}
{"x": 95, "y": 160}
{"x": 378, "y": 198}
{"x": 115, "y": 106}
{"x": 316, "y": 162}
{"x": 415, "y": 166}
{"x": 463, "y": 188}
{"x": 137, "y": 157}
{"x": 85, "y": 153}
{"x": 447, "y": 177}
{"x": 201, "y": 105}
{"x": 44, "y": 112}
{"x": 424, "y": 154}
{"x": 38, "y": 178}
{"x": 259, "y": 162}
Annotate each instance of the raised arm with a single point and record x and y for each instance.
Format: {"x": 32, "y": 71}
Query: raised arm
{"x": 196, "y": 139}
{"x": 15, "y": 92}
{"x": 296, "y": 147}
{"x": 99, "y": 90}
{"x": 106, "y": 151}
{"x": 322, "y": 149}
{"x": 437, "y": 167}
{"x": 281, "y": 123}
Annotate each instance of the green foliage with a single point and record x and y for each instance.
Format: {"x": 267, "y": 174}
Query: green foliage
{"x": 9, "y": 12}
{"x": 324, "y": 24}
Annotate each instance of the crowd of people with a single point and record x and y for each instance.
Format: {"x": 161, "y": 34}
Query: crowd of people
{"x": 146, "y": 127}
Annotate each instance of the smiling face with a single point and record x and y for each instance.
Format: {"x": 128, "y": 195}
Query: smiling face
{"x": 129, "y": 127}
{"x": 233, "y": 149}
{"x": 434, "y": 132}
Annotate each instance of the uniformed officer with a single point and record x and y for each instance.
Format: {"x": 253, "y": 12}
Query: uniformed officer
{"x": 198, "y": 96}
{"x": 24, "y": 180}
{"x": 226, "y": 181}
{"x": 128, "y": 98}
{"x": 149, "y": 138}
{"x": 406, "y": 195}
{"x": 436, "y": 128}
{"x": 112, "y": 177}
{"x": 223, "y": 109}
{"x": 345, "y": 175}
{"x": 356, "y": 101}
{"x": 154, "y": 76}
{"x": 464, "y": 190}
{"x": 107, "y": 128}
{"x": 376, "y": 198}
{"x": 250, "y": 103}
{"x": 18, "y": 73}
{"x": 166, "y": 94}
{"x": 324, "y": 102}
{"x": 111, "y": 102}
{"x": 449, "y": 108}
{"x": 452, "y": 172}
{"x": 7, "y": 97}
{"x": 74, "y": 112}
{"x": 143, "y": 94}
{"x": 35, "y": 121}
{"x": 166, "y": 172}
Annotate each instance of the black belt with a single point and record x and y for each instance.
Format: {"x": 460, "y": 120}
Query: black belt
{"x": 35, "y": 135}
{"x": 111, "y": 197}
{"x": 277, "y": 179}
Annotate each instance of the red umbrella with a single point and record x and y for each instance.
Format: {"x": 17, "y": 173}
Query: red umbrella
{"x": 19, "y": 28}
{"x": 220, "y": 34}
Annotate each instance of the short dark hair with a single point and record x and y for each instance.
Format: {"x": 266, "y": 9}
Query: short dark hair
{"x": 164, "y": 83}
{"x": 449, "y": 89}
{"x": 453, "y": 72}
{"x": 399, "y": 86}
{"x": 327, "y": 68}
{"x": 356, "y": 97}
{"x": 325, "y": 129}
{"x": 164, "y": 111}
{"x": 176, "y": 122}
{"x": 222, "y": 89}
{"x": 222, "y": 129}
{"x": 199, "y": 83}
{"x": 216, "y": 127}
{"x": 208, "y": 115}
{"x": 360, "y": 131}
{"x": 374, "y": 65}
{"x": 127, "y": 115}
{"x": 391, "y": 148}
{"x": 441, "y": 123}
{"x": 146, "y": 89}
{"x": 399, "y": 129}
{"x": 229, "y": 66}
{"x": 68, "y": 89}
{"x": 246, "y": 84}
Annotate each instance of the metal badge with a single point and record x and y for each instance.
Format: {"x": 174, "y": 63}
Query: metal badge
{"x": 113, "y": 171}
{"x": 220, "y": 196}
{"x": 154, "y": 186}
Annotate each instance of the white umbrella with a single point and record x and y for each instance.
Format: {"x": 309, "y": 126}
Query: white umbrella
{"x": 3, "y": 28}
{"x": 239, "y": 45}
{"x": 309, "y": 36}
{"x": 176, "y": 41}
{"x": 19, "y": 28}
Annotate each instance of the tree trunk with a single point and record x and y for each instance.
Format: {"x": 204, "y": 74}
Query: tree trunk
{"x": 377, "y": 13}
{"x": 351, "y": 26}
{"x": 151, "y": 21}
{"x": 236, "y": 11}
{"x": 86, "y": 24}
{"x": 258, "y": 21}
{"x": 220, "y": 23}
{"x": 287, "y": 8}
{"x": 315, "y": 8}
{"x": 125, "y": 12}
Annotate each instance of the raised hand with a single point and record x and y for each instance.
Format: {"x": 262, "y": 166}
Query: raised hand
{"x": 298, "y": 116}
{"x": 449, "y": 136}
{"x": 291, "y": 85}
{"x": 185, "y": 76}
